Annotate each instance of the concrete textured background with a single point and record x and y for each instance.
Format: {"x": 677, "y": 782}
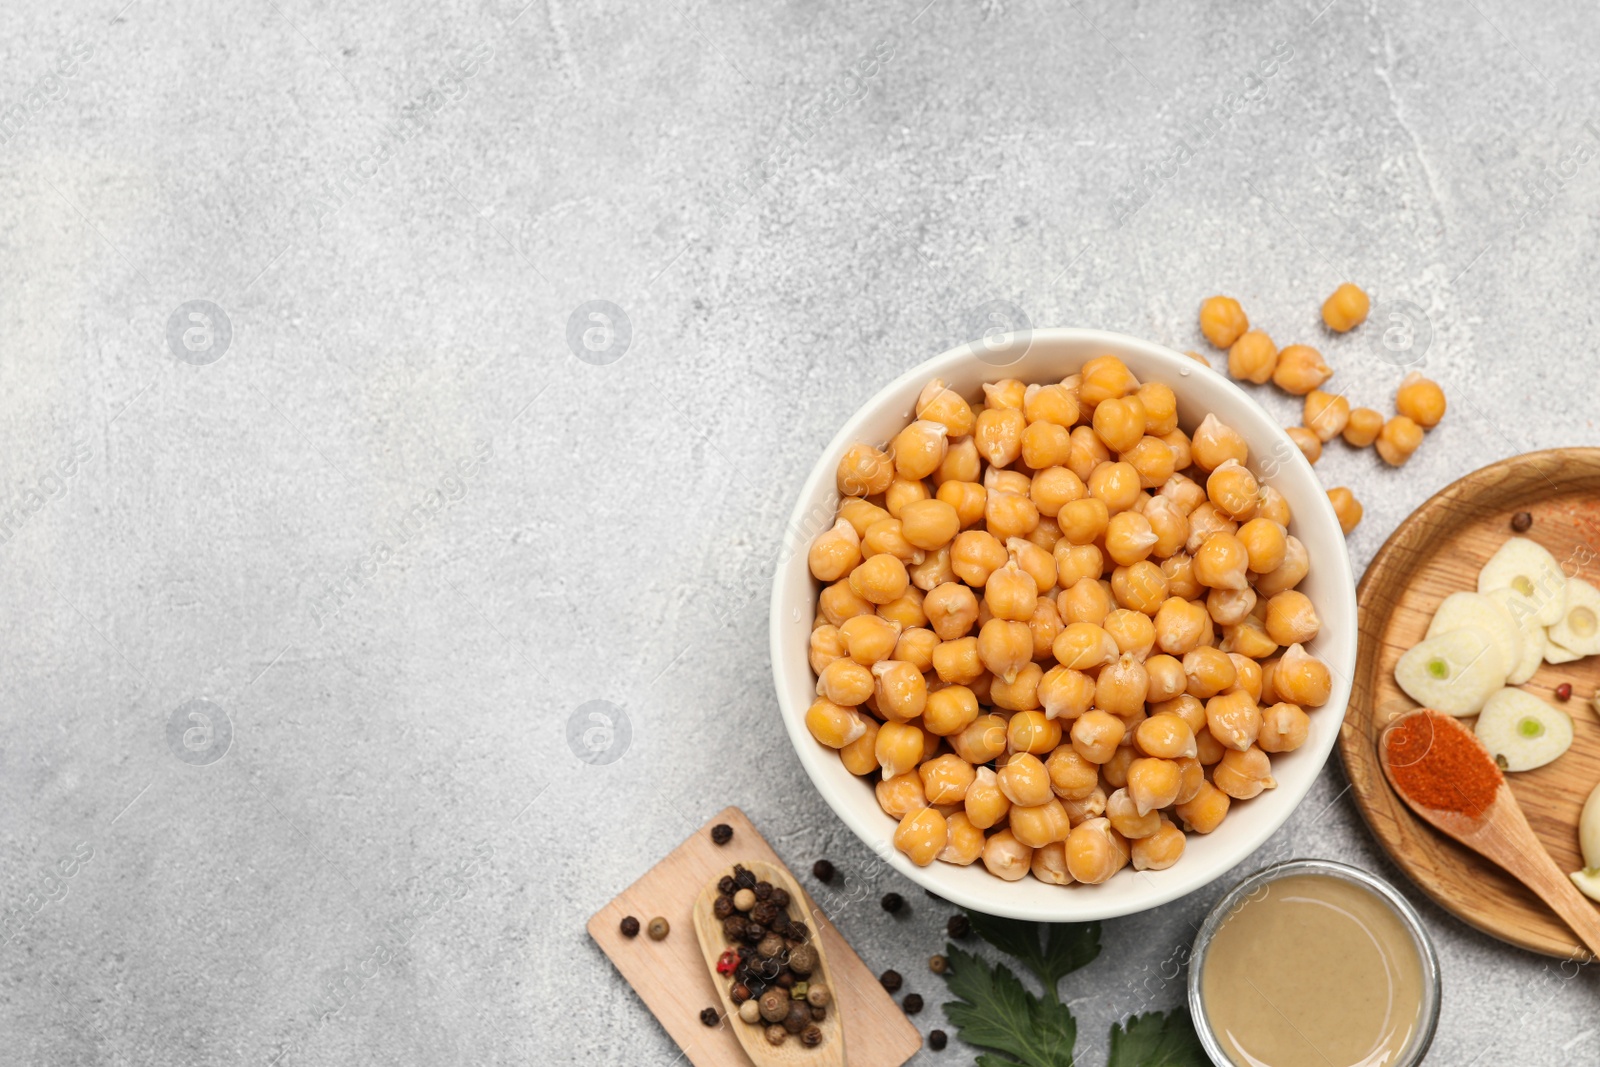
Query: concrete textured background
{"x": 399, "y": 535}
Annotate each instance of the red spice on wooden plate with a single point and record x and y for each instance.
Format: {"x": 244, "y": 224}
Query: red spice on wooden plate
{"x": 1436, "y": 763}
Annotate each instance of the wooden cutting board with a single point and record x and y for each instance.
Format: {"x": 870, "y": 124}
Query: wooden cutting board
{"x": 671, "y": 976}
{"x": 1436, "y": 552}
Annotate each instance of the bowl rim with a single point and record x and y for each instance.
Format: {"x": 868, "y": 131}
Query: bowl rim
{"x": 861, "y": 821}
{"x": 1432, "y": 981}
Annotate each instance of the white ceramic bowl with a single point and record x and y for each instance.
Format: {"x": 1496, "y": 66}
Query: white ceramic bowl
{"x": 1049, "y": 355}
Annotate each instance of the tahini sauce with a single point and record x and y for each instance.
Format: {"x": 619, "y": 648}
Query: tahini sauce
{"x": 1314, "y": 971}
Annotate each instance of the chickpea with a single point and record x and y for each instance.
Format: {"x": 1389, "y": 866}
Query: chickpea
{"x": 899, "y": 748}
{"x": 846, "y": 682}
{"x": 1165, "y": 678}
{"x": 827, "y": 645}
{"x": 957, "y": 662}
{"x": 1185, "y": 493}
{"x": 921, "y": 835}
{"x": 1040, "y": 825}
{"x": 1205, "y": 811}
{"x": 1209, "y": 671}
{"x": 1234, "y": 719}
{"x": 1325, "y": 414}
{"x": 1269, "y": 692}
{"x": 1265, "y": 544}
{"x": 1234, "y": 490}
{"x": 868, "y": 638}
{"x": 1153, "y": 460}
{"x": 1222, "y": 562}
{"x": 1153, "y": 783}
{"x": 1071, "y": 776}
{"x": 1245, "y": 774}
{"x": 1096, "y": 735}
{"x": 1083, "y": 521}
{"x": 1084, "y": 646}
{"x": 1095, "y": 851}
{"x": 1125, "y": 817}
{"x": 967, "y": 497}
{"x": 1229, "y": 607}
{"x": 1363, "y": 427}
{"x": 1132, "y": 630}
{"x": 1011, "y": 593}
{"x": 1296, "y": 564}
{"x": 860, "y": 756}
{"x": 1253, "y": 357}
{"x": 1033, "y": 731}
{"x": 1050, "y": 403}
{"x": 946, "y": 779}
{"x": 1182, "y": 449}
{"x": 1191, "y": 774}
{"x": 1050, "y": 864}
{"x": 998, "y": 435}
{"x": 1036, "y": 562}
{"x": 1165, "y": 735}
{"x": 1104, "y": 378}
{"x": 929, "y": 524}
{"x": 1302, "y": 679}
{"x": 1141, "y": 587}
{"x": 1214, "y": 443}
{"x": 1291, "y": 618}
{"x": 1399, "y": 438}
{"x": 1053, "y": 488}
{"x": 905, "y": 609}
{"x": 863, "y": 471}
{"x": 985, "y": 805}
{"x": 1345, "y": 309}
{"x": 1005, "y": 645}
{"x": 1115, "y": 484}
{"x": 1010, "y": 514}
{"x": 1204, "y": 521}
{"x": 1075, "y": 562}
{"x": 1046, "y": 535}
{"x": 1273, "y": 505}
{"x": 1198, "y": 358}
{"x": 1065, "y": 693}
{"x": 1160, "y": 850}
{"x": 1089, "y": 600}
{"x": 975, "y": 554}
{"x": 1024, "y": 780}
{"x": 834, "y": 725}
{"x": 1208, "y": 750}
{"x": 1045, "y": 625}
{"x": 835, "y": 552}
{"x": 933, "y": 571}
{"x": 1179, "y": 625}
{"x": 861, "y": 514}
{"x": 981, "y": 740}
{"x": 949, "y": 710}
{"x": 887, "y": 536}
{"x": 1179, "y": 571}
{"x": 915, "y": 646}
{"x": 1300, "y": 369}
{"x": 901, "y": 794}
{"x": 1248, "y": 638}
{"x": 1120, "y": 423}
{"x": 1006, "y": 857}
{"x": 1046, "y": 444}
{"x": 918, "y": 449}
{"x": 1222, "y": 321}
{"x": 1284, "y": 728}
{"x": 901, "y": 690}
{"x": 1088, "y": 452}
{"x": 839, "y": 602}
{"x": 1247, "y": 677}
{"x": 939, "y": 403}
{"x": 961, "y": 462}
{"x": 1160, "y": 408}
{"x": 965, "y": 842}
{"x": 1121, "y": 687}
{"x": 1309, "y": 444}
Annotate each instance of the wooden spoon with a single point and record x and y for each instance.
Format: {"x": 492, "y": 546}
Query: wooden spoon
{"x": 1501, "y": 833}
{"x": 708, "y": 928}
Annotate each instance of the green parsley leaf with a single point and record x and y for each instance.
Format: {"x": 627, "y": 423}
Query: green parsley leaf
{"x": 996, "y": 1012}
{"x": 1157, "y": 1039}
{"x": 1067, "y": 946}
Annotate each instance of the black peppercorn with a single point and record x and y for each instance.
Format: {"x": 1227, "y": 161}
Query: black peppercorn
{"x": 890, "y": 980}
{"x": 743, "y": 878}
{"x": 763, "y": 890}
{"x": 892, "y": 902}
{"x": 800, "y": 932}
{"x": 819, "y": 1012}
{"x": 822, "y": 871}
{"x": 722, "y": 833}
{"x": 938, "y": 964}
{"x": 912, "y": 1004}
{"x": 958, "y": 927}
{"x": 754, "y": 932}
{"x": 937, "y": 1040}
{"x": 710, "y": 1017}
{"x": 733, "y": 927}
{"x": 811, "y": 1036}
{"x": 630, "y": 927}
{"x": 1521, "y": 521}
{"x": 723, "y": 907}
{"x": 785, "y": 980}
{"x": 764, "y": 913}
{"x": 780, "y": 897}
{"x": 726, "y": 886}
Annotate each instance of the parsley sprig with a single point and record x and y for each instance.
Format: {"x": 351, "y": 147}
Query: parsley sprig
{"x": 997, "y": 1012}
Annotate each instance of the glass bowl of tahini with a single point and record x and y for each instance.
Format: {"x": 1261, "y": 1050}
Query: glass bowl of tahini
{"x": 1314, "y": 963}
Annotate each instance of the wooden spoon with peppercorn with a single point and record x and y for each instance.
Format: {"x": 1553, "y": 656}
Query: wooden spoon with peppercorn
{"x": 754, "y": 927}
{"x": 1449, "y": 779}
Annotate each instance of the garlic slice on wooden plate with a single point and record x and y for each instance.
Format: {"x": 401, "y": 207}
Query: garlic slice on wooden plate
{"x": 1531, "y": 636}
{"x": 1453, "y": 672}
{"x": 1521, "y": 731}
{"x": 1578, "y": 629}
{"x": 1588, "y": 879}
{"x": 1527, "y": 568}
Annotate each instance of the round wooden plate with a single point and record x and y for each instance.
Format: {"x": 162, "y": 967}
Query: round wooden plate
{"x": 1435, "y": 552}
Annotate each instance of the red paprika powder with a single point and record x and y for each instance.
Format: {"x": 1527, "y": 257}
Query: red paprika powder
{"x": 1436, "y": 763}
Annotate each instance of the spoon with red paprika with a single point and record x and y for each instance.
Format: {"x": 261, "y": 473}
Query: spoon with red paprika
{"x": 1452, "y": 783}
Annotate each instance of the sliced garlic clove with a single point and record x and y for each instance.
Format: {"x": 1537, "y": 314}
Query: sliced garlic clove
{"x": 1532, "y": 574}
{"x": 1521, "y": 731}
{"x": 1578, "y": 629}
{"x": 1452, "y": 672}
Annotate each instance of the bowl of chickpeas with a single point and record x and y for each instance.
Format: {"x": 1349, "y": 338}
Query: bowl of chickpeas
{"x": 1066, "y": 627}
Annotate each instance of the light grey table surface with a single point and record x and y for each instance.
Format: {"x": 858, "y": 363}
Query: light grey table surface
{"x": 384, "y": 519}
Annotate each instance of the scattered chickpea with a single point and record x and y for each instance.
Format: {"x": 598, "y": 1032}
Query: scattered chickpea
{"x": 1398, "y": 439}
{"x": 1222, "y": 321}
{"x": 1325, "y": 414}
{"x": 1253, "y": 357}
{"x": 1345, "y": 309}
{"x": 1363, "y": 427}
{"x": 1300, "y": 369}
{"x": 1346, "y": 507}
{"x": 1420, "y": 400}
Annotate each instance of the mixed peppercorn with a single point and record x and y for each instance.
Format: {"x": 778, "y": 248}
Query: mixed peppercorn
{"x": 771, "y": 961}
